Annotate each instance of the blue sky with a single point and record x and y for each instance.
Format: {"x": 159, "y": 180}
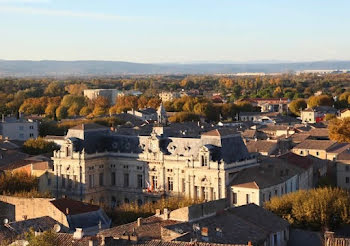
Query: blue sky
{"x": 175, "y": 30}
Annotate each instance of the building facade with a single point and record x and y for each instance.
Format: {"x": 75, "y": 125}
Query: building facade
{"x": 110, "y": 94}
{"x": 18, "y": 129}
{"x": 99, "y": 166}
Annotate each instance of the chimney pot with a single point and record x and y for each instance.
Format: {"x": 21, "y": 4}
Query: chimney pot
{"x": 67, "y": 210}
{"x": 139, "y": 222}
{"x": 157, "y": 212}
{"x": 166, "y": 213}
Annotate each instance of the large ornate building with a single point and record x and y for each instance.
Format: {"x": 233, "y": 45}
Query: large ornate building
{"x": 98, "y": 165}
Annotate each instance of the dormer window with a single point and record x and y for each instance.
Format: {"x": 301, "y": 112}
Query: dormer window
{"x": 204, "y": 160}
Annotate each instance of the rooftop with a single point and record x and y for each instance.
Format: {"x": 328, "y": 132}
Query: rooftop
{"x": 315, "y": 144}
{"x": 74, "y": 207}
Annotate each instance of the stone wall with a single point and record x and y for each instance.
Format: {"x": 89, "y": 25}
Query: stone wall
{"x": 197, "y": 211}
{"x": 19, "y": 208}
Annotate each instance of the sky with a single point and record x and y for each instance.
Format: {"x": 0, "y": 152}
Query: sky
{"x": 181, "y": 31}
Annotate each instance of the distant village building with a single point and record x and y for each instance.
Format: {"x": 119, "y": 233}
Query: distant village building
{"x": 110, "y": 94}
{"x": 148, "y": 114}
{"x": 168, "y": 96}
{"x": 270, "y": 105}
{"x": 317, "y": 114}
{"x": 18, "y": 129}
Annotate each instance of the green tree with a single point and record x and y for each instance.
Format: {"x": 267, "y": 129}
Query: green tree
{"x": 39, "y": 146}
{"x": 47, "y": 238}
{"x": 297, "y": 105}
{"x": 61, "y": 112}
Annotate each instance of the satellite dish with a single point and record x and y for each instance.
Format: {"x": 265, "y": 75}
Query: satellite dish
{"x": 57, "y": 228}
{"x": 6, "y": 221}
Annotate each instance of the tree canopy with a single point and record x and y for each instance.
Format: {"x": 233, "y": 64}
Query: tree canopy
{"x": 297, "y": 105}
{"x": 313, "y": 209}
{"x": 39, "y": 146}
{"x": 339, "y": 130}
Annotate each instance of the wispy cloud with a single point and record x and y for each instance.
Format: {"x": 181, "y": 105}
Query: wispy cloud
{"x": 64, "y": 13}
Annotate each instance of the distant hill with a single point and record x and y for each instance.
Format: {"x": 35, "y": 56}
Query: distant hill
{"x": 99, "y": 68}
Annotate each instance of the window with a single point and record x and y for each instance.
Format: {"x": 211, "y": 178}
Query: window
{"x": 31, "y": 135}
{"x": 48, "y": 182}
{"x": 317, "y": 153}
{"x": 139, "y": 168}
{"x": 275, "y": 239}
{"x": 21, "y": 128}
{"x": 183, "y": 185}
{"x": 276, "y": 192}
{"x": 263, "y": 197}
{"x": 204, "y": 161}
{"x": 301, "y": 152}
{"x": 234, "y": 198}
{"x": 269, "y": 196}
{"x": 21, "y": 135}
{"x": 91, "y": 180}
{"x": 31, "y": 127}
{"x": 63, "y": 182}
{"x": 101, "y": 179}
{"x": 139, "y": 181}
{"x": 154, "y": 182}
{"x": 70, "y": 185}
{"x": 347, "y": 168}
{"x": 126, "y": 166}
{"x": 126, "y": 180}
{"x": 247, "y": 198}
{"x": 113, "y": 178}
{"x": 170, "y": 184}
{"x": 347, "y": 180}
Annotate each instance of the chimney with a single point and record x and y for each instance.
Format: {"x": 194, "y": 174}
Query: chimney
{"x": 93, "y": 242}
{"x": 157, "y": 212}
{"x": 78, "y": 234}
{"x": 250, "y": 243}
{"x": 3, "y": 118}
{"x": 166, "y": 214}
{"x": 67, "y": 211}
{"x": 139, "y": 222}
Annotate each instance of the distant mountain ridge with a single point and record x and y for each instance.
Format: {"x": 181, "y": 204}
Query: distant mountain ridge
{"x": 20, "y": 68}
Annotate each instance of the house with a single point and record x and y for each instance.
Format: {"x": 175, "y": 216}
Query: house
{"x": 244, "y": 225}
{"x": 317, "y": 114}
{"x": 317, "y": 148}
{"x": 273, "y": 177}
{"x": 70, "y": 214}
{"x": 344, "y": 114}
{"x": 110, "y": 94}
{"x": 18, "y": 129}
{"x": 148, "y": 114}
{"x": 264, "y": 147}
{"x": 166, "y": 96}
{"x": 270, "y": 105}
{"x": 343, "y": 168}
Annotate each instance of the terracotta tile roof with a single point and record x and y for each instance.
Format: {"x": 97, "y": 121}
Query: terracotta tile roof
{"x": 261, "y": 146}
{"x": 66, "y": 239}
{"x": 74, "y": 207}
{"x": 150, "y": 228}
{"x": 177, "y": 243}
{"x": 300, "y": 161}
{"x": 270, "y": 172}
{"x": 220, "y": 132}
{"x": 250, "y": 185}
{"x": 315, "y": 144}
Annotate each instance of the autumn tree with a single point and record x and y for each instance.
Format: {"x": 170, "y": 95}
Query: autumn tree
{"x": 322, "y": 100}
{"x": 75, "y": 89}
{"x": 61, "y": 112}
{"x": 39, "y": 146}
{"x": 315, "y": 209}
{"x": 17, "y": 182}
{"x": 54, "y": 89}
{"x": 339, "y": 130}
{"x": 183, "y": 117}
{"x": 297, "y": 105}
{"x": 47, "y": 238}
